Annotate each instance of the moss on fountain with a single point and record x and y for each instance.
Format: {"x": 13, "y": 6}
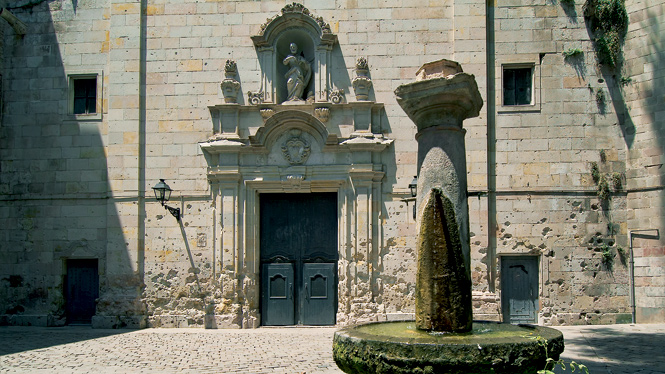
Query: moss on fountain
{"x": 398, "y": 347}
{"x": 438, "y": 103}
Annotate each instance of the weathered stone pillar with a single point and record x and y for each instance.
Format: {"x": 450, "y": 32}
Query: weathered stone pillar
{"x": 441, "y": 98}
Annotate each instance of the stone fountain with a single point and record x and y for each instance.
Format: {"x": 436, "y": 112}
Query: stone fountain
{"x": 443, "y": 338}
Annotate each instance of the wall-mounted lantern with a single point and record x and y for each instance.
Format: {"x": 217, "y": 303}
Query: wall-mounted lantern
{"x": 413, "y": 186}
{"x": 163, "y": 194}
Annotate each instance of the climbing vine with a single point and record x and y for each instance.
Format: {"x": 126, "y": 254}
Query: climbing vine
{"x": 608, "y": 22}
{"x": 605, "y": 183}
{"x": 551, "y": 363}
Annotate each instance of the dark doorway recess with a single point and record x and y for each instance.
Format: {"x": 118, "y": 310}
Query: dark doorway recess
{"x": 298, "y": 259}
{"x": 519, "y": 289}
{"x": 82, "y": 290}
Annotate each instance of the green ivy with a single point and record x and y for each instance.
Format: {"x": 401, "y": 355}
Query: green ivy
{"x": 595, "y": 172}
{"x": 608, "y": 22}
{"x": 600, "y": 97}
{"x": 607, "y": 256}
{"x": 617, "y": 181}
{"x": 572, "y": 52}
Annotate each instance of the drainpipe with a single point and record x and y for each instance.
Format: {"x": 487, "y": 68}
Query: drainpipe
{"x": 631, "y": 270}
{"x": 19, "y": 27}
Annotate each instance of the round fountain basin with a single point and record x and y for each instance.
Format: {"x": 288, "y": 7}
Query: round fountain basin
{"x": 398, "y": 347}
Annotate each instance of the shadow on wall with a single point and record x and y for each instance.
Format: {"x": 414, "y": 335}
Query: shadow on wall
{"x": 655, "y": 92}
{"x": 55, "y": 205}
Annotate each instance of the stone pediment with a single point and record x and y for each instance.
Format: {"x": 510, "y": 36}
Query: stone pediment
{"x": 293, "y": 15}
{"x": 336, "y": 128}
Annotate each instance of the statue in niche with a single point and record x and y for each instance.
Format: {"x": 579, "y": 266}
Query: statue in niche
{"x": 298, "y": 75}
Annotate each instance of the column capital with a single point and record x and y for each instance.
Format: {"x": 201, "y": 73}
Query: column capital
{"x": 442, "y": 95}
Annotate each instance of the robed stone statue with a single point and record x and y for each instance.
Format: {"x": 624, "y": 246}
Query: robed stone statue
{"x": 298, "y": 75}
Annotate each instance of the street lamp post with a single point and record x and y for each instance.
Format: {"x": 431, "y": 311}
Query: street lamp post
{"x": 163, "y": 194}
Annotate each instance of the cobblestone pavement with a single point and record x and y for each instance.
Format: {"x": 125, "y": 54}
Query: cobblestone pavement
{"x": 616, "y": 349}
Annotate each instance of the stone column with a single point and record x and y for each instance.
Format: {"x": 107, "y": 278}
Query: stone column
{"x": 441, "y": 98}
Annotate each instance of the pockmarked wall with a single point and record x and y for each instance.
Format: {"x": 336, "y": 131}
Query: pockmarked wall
{"x": 79, "y": 187}
{"x": 644, "y": 96}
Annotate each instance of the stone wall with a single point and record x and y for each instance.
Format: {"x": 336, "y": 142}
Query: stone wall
{"x": 547, "y": 201}
{"x": 80, "y": 188}
{"x": 644, "y": 97}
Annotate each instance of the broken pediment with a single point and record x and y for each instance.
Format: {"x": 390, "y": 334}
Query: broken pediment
{"x": 335, "y": 127}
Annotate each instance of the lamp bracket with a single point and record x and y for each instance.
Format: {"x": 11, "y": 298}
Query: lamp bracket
{"x": 175, "y": 212}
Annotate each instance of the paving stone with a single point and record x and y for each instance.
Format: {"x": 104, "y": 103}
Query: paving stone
{"x": 612, "y": 349}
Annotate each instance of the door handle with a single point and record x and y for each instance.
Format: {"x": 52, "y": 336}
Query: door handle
{"x": 291, "y": 290}
{"x": 306, "y": 292}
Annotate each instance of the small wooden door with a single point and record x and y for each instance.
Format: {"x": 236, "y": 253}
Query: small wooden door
{"x": 82, "y": 290}
{"x": 278, "y": 294}
{"x": 299, "y": 259}
{"x": 318, "y": 301}
{"x": 519, "y": 289}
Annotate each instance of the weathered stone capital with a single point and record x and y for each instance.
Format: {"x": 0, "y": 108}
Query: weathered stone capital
{"x": 440, "y": 101}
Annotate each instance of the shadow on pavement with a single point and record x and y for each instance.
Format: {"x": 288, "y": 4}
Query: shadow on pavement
{"x": 609, "y": 350}
{"x": 15, "y": 339}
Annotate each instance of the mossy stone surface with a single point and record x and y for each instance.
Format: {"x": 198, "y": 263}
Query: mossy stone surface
{"x": 490, "y": 348}
{"x": 443, "y": 285}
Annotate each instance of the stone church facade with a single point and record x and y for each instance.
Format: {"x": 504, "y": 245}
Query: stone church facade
{"x": 277, "y": 127}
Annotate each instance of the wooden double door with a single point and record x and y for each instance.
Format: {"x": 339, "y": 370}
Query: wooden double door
{"x": 298, "y": 259}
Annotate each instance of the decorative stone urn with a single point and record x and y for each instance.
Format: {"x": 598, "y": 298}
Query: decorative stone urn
{"x": 362, "y": 83}
{"x": 230, "y": 85}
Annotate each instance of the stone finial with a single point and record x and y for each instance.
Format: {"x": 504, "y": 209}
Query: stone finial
{"x": 230, "y": 67}
{"x": 230, "y": 85}
{"x": 361, "y": 64}
{"x": 362, "y": 83}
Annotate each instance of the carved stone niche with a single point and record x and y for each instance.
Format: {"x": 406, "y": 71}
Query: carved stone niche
{"x": 314, "y": 41}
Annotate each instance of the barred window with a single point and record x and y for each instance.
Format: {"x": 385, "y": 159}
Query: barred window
{"x": 85, "y": 95}
{"x": 517, "y": 86}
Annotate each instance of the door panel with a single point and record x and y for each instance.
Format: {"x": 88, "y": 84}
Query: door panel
{"x": 82, "y": 290}
{"x": 278, "y": 303}
{"x": 519, "y": 287}
{"x": 319, "y": 301}
{"x": 301, "y": 230}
